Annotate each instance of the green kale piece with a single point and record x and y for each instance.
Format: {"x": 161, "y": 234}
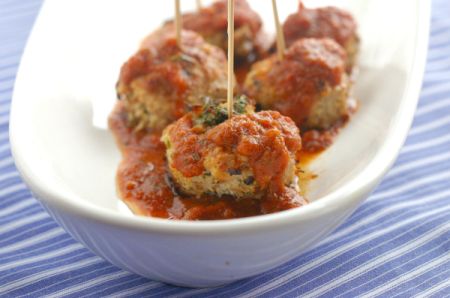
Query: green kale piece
{"x": 240, "y": 103}
{"x": 214, "y": 113}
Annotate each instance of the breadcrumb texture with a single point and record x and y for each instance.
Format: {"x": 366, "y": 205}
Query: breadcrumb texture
{"x": 247, "y": 156}
{"x": 163, "y": 81}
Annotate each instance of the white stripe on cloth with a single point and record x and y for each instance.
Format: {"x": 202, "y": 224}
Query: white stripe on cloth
{"x": 434, "y": 106}
{"x": 414, "y": 183}
{"x": 438, "y": 53}
{"x": 77, "y": 276}
{"x": 135, "y": 290}
{"x": 438, "y": 39}
{"x": 393, "y": 269}
{"x": 33, "y": 240}
{"x": 437, "y": 77}
{"x": 6, "y": 162}
{"x": 5, "y": 289}
{"x": 425, "y": 145}
{"x": 7, "y": 175}
{"x": 84, "y": 285}
{"x": 391, "y": 209}
{"x": 21, "y": 222}
{"x": 378, "y": 261}
{"x": 17, "y": 207}
{"x": 430, "y": 126}
{"x": 374, "y": 262}
{"x": 438, "y": 65}
{"x": 52, "y": 254}
{"x": 439, "y": 25}
{"x": 4, "y": 136}
{"x": 32, "y": 229}
{"x": 418, "y": 164}
{"x": 321, "y": 260}
{"x": 409, "y": 275}
{"x": 68, "y": 259}
{"x": 20, "y": 7}
{"x": 4, "y": 147}
{"x": 4, "y": 108}
{"x": 433, "y": 290}
{"x": 425, "y": 281}
{"x": 429, "y": 95}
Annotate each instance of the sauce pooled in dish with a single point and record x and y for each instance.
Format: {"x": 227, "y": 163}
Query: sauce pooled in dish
{"x": 184, "y": 158}
{"x": 147, "y": 185}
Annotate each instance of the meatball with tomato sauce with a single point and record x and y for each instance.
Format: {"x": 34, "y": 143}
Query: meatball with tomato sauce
{"x": 325, "y": 22}
{"x": 211, "y": 23}
{"x": 309, "y": 85}
{"x": 248, "y": 156}
{"x": 162, "y": 81}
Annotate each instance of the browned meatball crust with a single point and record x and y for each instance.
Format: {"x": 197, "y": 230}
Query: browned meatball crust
{"x": 211, "y": 23}
{"x": 325, "y": 22}
{"x": 309, "y": 85}
{"x": 247, "y": 156}
{"x": 162, "y": 81}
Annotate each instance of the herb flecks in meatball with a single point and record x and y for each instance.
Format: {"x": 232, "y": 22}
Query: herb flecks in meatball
{"x": 309, "y": 85}
{"x": 247, "y": 156}
{"x": 163, "y": 81}
{"x": 324, "y": 22}
{"x": 213, "y": 114}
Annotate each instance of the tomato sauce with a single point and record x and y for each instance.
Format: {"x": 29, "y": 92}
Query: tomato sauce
{"x": 144, "y": 185}
{"x": 329, "y": 22}
{"x": 315, "y": 141}
{"x": 213, "y": 19}
{"x": 304, "y": 73}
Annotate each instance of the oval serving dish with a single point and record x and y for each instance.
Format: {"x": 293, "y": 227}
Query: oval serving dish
{"x": 67, "y": 78}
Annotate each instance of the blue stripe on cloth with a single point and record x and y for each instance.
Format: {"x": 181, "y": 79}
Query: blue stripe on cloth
{"x": 397, "y": 244}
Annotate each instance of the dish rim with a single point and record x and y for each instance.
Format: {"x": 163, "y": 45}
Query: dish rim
{"x": 363, "y": 181}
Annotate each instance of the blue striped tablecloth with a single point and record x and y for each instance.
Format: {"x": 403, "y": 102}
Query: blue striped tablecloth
{"x": 396, "y": 244}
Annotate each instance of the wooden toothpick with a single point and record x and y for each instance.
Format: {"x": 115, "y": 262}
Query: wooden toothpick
{"x": 230, "y": 58}
{"x": 281, "y": 44}
{"x": 178, "y": 22}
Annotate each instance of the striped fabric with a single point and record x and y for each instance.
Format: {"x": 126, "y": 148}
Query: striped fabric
{"x": 396, "y": 244}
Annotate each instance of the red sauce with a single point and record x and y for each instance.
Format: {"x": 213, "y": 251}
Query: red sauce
{"x": 213, "y": 19}
{"x": 268, "y": 155}
{"x": 309, "y": 66}
{"x": 301, "y": 83}
{"x": 316, "y": 141}
{"x": 322, "y": 22}
{"x": 266, "y": 139}
{"x": 144, "y": 185}
{"x": 162, "y": 68}
{"x": 188, "y": 156}
{"x": 156, "y": 56}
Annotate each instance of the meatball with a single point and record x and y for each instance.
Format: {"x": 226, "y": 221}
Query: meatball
{"x": 247, "y": 156}
{"x": 326, "y": 22}
{"x": 309, "y": 85}
{"x": 211, "y": 22}
{"x": 162, "y": 81}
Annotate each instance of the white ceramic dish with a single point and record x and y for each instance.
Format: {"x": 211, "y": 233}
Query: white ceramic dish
{"x": 73, "y": 57}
